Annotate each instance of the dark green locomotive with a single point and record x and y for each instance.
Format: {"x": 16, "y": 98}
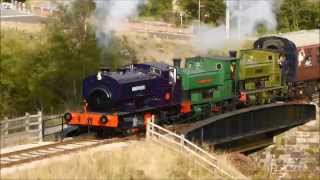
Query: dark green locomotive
{"x": 209, "y": 81}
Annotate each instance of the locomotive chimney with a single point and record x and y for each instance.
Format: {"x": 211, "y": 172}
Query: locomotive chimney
{"x": 233, "y": 53}
{"x": 177, "y": 62}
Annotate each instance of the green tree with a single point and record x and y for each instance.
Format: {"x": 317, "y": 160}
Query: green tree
{"x": 298, "y": 14}
{"x": 72, "y": 53}
{"x": 212, "y": 11}
{"x": 15, "y": 55}
{"x": 161, "y": 9}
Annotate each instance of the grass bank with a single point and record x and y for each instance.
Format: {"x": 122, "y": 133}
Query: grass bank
{"x": 141, "y": 160}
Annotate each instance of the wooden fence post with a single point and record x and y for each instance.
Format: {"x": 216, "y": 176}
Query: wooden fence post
{"x": 27, "y": 121}
{"x": 19, "y": 6}
{"x": 181, "y": 141}
{"x": 4, "y": 131}
{"x": 152, "y": 125}
{"x": 1, "y": 133}
{"x": 31, "y": 9}
{"x": 23, "y": 7}
{"x": 148, "y": 130}
{"x": 40, "y": 126}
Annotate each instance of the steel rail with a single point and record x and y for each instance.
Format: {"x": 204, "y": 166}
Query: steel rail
{"x": 42, "y": 152}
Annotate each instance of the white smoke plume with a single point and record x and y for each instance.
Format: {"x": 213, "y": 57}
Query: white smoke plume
{"x": 250, "y": 12}
{"x": 111, "y": 15}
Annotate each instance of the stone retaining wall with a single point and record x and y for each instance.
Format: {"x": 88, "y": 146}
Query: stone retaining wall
{"x": 295, "y": 154}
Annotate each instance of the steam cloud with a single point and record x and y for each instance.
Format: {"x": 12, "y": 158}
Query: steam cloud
{"x": 110, "y": 15}
{"x": 252, "y": 13}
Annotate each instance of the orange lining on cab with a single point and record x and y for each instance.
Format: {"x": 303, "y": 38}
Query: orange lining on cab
{"x": 204, "y": 81}
{"x": 93, "y": 119}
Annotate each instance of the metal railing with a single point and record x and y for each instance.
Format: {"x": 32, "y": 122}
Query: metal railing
{"x": 158, "y": 134}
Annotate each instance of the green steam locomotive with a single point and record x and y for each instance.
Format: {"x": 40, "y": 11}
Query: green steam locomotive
{"x": 218, "y": 84}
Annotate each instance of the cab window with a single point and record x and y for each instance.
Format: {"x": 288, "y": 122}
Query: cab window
{"x": 155, "y": 71}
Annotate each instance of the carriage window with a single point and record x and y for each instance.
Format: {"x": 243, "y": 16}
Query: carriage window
{"x": 301, "y": 56}
{"x": 269, "y": 58}
{"x": 308, "y": 61}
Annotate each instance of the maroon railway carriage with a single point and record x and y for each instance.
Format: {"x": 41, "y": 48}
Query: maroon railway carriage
{"x": 309, "y": 66}
{"x": 308, "y": 55}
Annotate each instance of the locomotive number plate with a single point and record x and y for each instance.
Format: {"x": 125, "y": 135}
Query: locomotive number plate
{"x": 138, "y": 88}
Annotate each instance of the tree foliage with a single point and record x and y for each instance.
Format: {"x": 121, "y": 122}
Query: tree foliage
{"x": 211, "y": 11}
{"x": 15, "y": 84}
{"x": 293, "y": 15}
{"x": 159, "y": 9}
{"x": 298, "y": 14}
{"x": 72, "y": 53}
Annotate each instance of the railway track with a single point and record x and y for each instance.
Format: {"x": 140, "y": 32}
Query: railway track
{"x": 15, "y": 158}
